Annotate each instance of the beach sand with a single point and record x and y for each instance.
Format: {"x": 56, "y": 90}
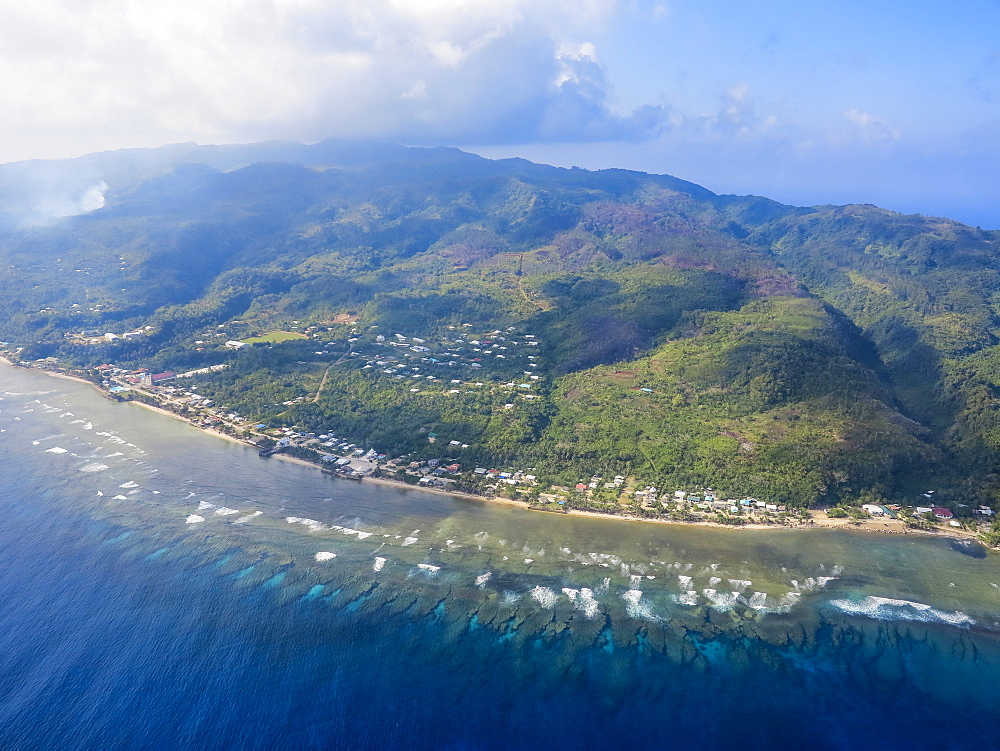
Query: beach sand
{"x": 818, "y": 521}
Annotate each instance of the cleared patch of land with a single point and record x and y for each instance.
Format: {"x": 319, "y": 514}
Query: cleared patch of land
{"x": 274, "y": 336}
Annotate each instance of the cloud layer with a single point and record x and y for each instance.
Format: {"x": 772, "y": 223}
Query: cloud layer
{"x": 444, "y": 71}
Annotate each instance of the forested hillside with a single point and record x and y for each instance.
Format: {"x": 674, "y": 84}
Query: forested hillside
{"x": 577, "y": 322}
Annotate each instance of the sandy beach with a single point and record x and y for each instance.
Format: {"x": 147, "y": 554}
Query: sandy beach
{"x": 818, "y": 521}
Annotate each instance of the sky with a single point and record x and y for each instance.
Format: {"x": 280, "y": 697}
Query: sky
{"x": 896, "y": 104}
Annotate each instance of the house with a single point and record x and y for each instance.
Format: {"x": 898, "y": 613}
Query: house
{"x": 942, "y": 513}
{"x": 872, "y": 510}
{"x": 235, "y": 345}
{"x": 156, "y": 378}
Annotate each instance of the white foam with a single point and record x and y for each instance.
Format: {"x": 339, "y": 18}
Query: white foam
{"x": 204, "y": 505}
{"x": 223, "y": 511}
{"x": 114, "y": 454}
{"x": 634, "y": 581}
{"x": 428, "y": 567}
{"x": 685, "y": 581}
{"x": 194, "y": 519}
{"x": 56, "y": 450}
{"x": 325, "y": 556}
{"x": 544, "y": 596}
{"x": 93, "y": 467}
{"x": 713, "y": 581}
{"x": 888, "y": 609}
{"x": 379, "y": 563}
{"x": 740, "y": 583}
{"x": 409, "y": 541}
{"x": 129, "y": 484}
{"x": 722, "y": 601}
{"x": 583, "y": 600}
{"x": 758, "y": 600}
{"x": 483, "y": 578}
{"x": 529, "y": 560}
{"x": 248, "y": 517}
{"x": 100, "y": 492}
{"x": 348, "y": 531}
{"x": 605, "y": 559}
{"x": 635, "y": 607}
{"x": 686, "y": 598}
{"x": 120, "y": 498}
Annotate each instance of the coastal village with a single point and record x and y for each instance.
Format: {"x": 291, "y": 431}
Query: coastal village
{"x": 449, "y": 365}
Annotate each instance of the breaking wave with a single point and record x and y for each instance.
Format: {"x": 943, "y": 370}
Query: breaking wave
{"x": 544, "y": 596}
{"x": 635, "y": 607}
{"x": 889, "y": 609}
{"x": 583, "y": 600}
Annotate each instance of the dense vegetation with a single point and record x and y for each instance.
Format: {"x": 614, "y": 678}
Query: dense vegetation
{"x": 807, "y": 355}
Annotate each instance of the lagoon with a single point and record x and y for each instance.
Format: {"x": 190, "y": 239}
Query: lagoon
{"x": 161, "y": 587}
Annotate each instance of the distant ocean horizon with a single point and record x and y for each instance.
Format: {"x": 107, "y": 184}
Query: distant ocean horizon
{"x": 162, "y": 588}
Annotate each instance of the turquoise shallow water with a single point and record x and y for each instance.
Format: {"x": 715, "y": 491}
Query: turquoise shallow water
{"x": 434, "y": 622}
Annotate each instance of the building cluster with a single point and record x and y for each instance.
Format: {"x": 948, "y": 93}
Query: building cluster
{"x": 93, "y": 337}
{"x": 433, "y": 361}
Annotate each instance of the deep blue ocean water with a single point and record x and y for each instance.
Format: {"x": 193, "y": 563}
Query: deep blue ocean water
{"x": 121, "y": 626}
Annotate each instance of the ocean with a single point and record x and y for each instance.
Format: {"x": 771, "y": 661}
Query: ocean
{"x": 164, "y": 588}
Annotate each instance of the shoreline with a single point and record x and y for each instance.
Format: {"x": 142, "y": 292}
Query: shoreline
{"x": 868, "y": 525}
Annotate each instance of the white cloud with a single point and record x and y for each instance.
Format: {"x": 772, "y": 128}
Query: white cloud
{"x": 111, "y": 73}
{"x": 872, "y": 129}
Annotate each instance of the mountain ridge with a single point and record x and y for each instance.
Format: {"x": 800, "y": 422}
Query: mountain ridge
{"x": 809, "y": 354}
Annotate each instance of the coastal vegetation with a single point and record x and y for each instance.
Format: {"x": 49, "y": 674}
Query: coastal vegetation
{"x": 434, "y": 305}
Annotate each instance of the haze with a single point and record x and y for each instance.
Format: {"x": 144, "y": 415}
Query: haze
{"x": 860, "y": 102}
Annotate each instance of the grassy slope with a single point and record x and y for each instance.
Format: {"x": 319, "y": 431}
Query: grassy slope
{"x": 713, "y": 303}
{"x": 744, "y": 403}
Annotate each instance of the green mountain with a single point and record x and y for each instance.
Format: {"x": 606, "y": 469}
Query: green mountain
{"x": 615, "y": 322}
